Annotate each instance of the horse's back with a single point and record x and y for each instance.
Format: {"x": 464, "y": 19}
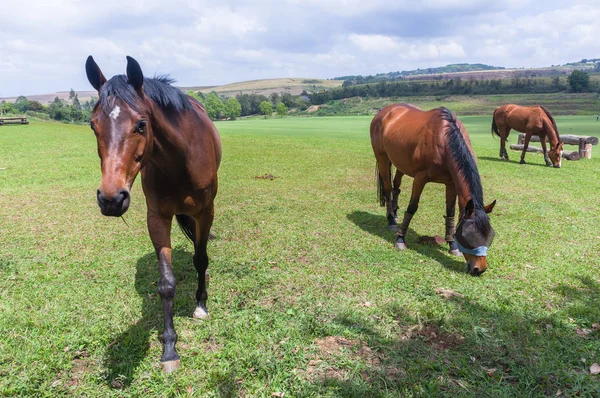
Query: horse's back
{"x": 520, "y": 118}
{"x": 408, "y": 136}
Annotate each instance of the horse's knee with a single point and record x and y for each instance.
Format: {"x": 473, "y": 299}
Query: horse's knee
{"x": 166, "y": 286}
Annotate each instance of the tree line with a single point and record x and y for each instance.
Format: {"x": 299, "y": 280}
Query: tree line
{"x": 577, "y": 81}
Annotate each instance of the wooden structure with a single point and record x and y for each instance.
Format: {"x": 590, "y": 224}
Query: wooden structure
{"x": 13, "y": 120}
{"x": 584, "y": 144}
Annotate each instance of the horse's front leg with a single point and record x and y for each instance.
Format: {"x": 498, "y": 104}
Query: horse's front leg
{"x": 159, "y": 228}
{"x": 543, "y": 142}
{"x": 417, "y": 188}
{"x": 525, "y": 146}
{"x": 450, "y": 211}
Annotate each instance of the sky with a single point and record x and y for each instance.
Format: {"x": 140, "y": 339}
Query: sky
{"x": 44, "y": 44}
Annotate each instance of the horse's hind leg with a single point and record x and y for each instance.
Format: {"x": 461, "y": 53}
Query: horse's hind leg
{"x": 396, "y": 192}
{"x": 203, "y": 225}
{"x": 449, "y": 218}
{"x": 503, "y": 137}
{"x": 525, "y": 146}
{"x": 159, "y": 228}
{"x": 384, "y": 167}
{"x": 417, "y": 188}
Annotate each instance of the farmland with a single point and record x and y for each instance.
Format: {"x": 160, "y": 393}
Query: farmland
{"x": 307, "y": 295}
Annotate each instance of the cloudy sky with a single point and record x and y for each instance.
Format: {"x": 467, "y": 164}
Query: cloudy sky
{"x": 44, "y": 44}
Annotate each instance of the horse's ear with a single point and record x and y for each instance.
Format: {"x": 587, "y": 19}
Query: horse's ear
{"x": 134, "y": 73}
{"x": 469, "y": 208}
{"x": 94, "y": 74}
{"x": 560, "y": 146}
{"x": 488, "y": 209}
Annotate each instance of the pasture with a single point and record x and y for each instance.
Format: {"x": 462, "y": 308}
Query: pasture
{"x": 307, "y": 295}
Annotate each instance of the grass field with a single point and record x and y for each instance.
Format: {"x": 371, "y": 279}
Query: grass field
{"x": 307, "y": 295}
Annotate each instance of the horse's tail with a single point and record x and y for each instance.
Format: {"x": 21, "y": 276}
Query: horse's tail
{"x": 547, "y": 112}
{"x": 494, "y": 125}
{"x": 380, "y": 191}
{"x": 187, "y": 226}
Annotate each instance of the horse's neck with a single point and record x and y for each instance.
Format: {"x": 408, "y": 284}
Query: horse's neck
{"x": 551, "y": 133}
{"x": 462, "y": 186}
{"x": 168, "y": 147}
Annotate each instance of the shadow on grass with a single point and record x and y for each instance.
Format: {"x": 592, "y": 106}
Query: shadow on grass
{"x": 377, "y": 225}
{"x": 476, "y": 348}
{"x": 130, "y": 348}
{"x": 493, "y": 159}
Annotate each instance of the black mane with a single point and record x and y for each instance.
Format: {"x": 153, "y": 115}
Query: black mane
{"x": 547, "y": 112}
{"x": 467, "y": 168}
{"x": 158, "y": 89}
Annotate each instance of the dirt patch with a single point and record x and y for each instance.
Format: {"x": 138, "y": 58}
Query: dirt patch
{"x": 434, "y": 337}
{"x": 82, "y": 365}
{"x": 432, "y": 240}
{"x": 331, "y": 348}
{"x": 266, "y": 177}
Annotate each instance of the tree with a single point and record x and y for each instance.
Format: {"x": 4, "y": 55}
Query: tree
{"x": 214, "y": 106}
{"x": 266, "y": 108}
{"x": 21, "y": 104}
{"x": 282, "y": 109}
{"x": 579, "y": 81}
{"x": 57, "y": 110}
{"x": 76, "y": 110}
{"x": 197, "y": 96}
{"x": 274, "y": 98}
{"x": 72, "y": 95}
{"x": 6, "y": 107}
{"x": 233, "y": 109}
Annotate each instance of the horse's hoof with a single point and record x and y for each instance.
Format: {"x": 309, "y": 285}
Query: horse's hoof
{"x": 200, "y": 313}
{"x": 170, "y": 366}
{"x": 522, "y": 161}
{"x": 400, "y": 246}
{"x": 455, "y": 252}
{"x": 393, "y": 227}
{"x": 548, "y": 164}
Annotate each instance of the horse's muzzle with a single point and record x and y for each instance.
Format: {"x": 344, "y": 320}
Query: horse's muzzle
{"x": 114, "y": 206}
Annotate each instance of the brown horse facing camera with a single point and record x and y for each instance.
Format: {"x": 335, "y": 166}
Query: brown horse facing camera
{"x": 148, "y": 126}
{"x": 531, "y": 120}
{"x": 433, "y": 146}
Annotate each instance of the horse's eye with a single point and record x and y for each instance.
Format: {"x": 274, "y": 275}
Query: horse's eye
{"x": 141, "y": 126}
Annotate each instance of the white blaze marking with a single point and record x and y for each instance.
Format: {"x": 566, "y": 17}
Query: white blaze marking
{"x": 115, "y": 112}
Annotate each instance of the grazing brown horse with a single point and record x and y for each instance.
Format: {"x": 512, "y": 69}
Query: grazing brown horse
{"x": 531, "y": 120}
{"x": 433, "y": 146}
{"x": 148, "y": 126}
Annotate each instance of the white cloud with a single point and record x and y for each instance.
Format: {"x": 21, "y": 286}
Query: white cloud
{"x": 208, "y": 42}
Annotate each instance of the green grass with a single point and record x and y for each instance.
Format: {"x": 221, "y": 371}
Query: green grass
{"x": 297, "y": 259}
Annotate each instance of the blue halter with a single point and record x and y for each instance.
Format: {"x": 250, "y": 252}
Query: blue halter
{"x": 480, "y": 251}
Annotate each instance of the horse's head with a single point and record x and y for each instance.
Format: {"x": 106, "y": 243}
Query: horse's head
{"x": 474, "y": 235}
{"x": 124, "y": 135}
{"x": 555, "y": 154}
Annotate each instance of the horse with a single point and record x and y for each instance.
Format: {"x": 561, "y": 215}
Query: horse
{"x": 531, "y": 120}
{"x": 146, "y": 125}
{"x": 432, "y": 146}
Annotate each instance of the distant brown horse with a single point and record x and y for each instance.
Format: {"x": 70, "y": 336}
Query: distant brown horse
{"x": 147, "y": 125}
{"x": 433, "y": 146}
{"x": 531, "y": 120}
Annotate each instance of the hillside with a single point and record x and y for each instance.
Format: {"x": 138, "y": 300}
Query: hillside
{"x": 558, "y": 103}
{"x": 267, "y": 86}
{"x": 264, "y": 87}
